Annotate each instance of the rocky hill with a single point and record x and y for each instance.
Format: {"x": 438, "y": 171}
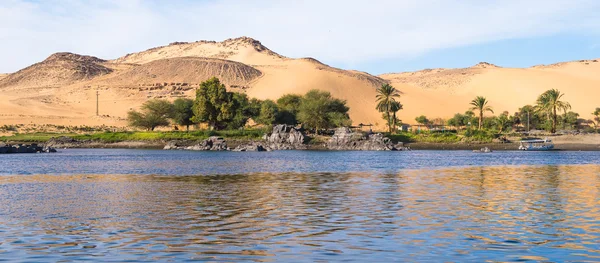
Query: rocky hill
{"x": 185, "y": 70}
{"x": 57, "y": 70}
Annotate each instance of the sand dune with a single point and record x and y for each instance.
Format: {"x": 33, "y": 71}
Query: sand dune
{"x": 443, "y": 92}
{"x": 62, "y": 89}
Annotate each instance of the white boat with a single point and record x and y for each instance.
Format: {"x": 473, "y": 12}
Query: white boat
{"x": 536, "y": 145}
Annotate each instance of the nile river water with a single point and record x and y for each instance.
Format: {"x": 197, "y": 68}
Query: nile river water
{"x": 300, "y": 206}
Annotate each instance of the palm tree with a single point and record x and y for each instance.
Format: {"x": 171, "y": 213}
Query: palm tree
{"x": 386, "y": 96}
{"x": 597, "y": 118}
{"x": 549, "y": 102}
{"x": 480, "y": 104}
{"x": 395, "y": 107}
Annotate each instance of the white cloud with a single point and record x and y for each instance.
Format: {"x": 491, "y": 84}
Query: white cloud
{"x": 337, "y": 31}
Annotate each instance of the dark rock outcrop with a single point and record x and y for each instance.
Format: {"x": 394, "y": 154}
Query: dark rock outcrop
{"x": 252, "y": 147}
{"x": 23, "y": 148}
{"x": 213, "y": 143}
{"x": 64, "y": 142}
{"x": 285, "y": 137}
{"x": 346, "y": 139}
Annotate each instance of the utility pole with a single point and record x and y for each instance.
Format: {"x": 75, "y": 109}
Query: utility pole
{"x": 97, "y": 95}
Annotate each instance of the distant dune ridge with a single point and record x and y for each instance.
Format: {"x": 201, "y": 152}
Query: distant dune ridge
{"x": 62, "y": 89}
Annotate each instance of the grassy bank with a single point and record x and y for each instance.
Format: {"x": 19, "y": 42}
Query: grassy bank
{"x": 111, "y": 137}
{"x": 445, "y": 137}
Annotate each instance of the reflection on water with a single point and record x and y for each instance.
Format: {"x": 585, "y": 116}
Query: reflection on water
{"x": 463, "y": 214}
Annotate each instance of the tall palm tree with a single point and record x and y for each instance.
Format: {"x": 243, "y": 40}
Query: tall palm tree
{"x": 549, "y": 102}
{"x": 480, "y": 104}
{"x": 597, "y": 118}
{"x": 395, "y": 107}
{"x": 386, "y": 96}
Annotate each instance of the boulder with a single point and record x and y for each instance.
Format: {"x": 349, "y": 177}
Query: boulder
{"x": 285, "y": 137}
{"x": 252, "y": 147}
{"x": 213, "y": 143}
{"x": 346, "y": 139}
{"x": 172, "y": 145}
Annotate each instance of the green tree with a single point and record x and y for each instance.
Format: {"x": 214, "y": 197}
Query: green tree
{"x": 242, "y": 111}
{"x": 254, "y": 108}
{"x": 154, "y": 113}
{"x": 213, "y": 104}
{"x": 183, "y": 113}
{"x": 268, "y": 113}
{"x": 288, "y": 109}
{"x": 503, "y": 121}
{"x": 569, "y": 120}
{"x": 319, "y": 110}
{"x": 480, "y": 104}
{"x": 422, "y": 120}
{"x": 596, "y": 121}
{"x": 549, "y": 102}
{"x": 394, "y": 108}
{"x": 386, "y": 96}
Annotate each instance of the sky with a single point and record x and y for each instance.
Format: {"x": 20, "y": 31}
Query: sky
{"x": 376, "y": 36}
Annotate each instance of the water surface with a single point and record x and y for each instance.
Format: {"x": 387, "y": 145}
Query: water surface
{"x": 138, "y": 205}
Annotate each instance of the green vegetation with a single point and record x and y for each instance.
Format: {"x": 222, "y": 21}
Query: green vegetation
{"x": 387, "y": 104}
{"x": 155, "y": 113}
{"x": 422, "y": 120}
{"x": 319, "y": 110}
{"x": 429, "y": 137}
{"x": 183, "y": 113}
{"x": 214, "y": 105}
{"x": 111, "y": 137}
{"x": 223, "y": 110}
{"x": 596, "y": 120}
{"x": 480, "y": 104}
{"x": 289, "y": 106}
{"x": 549, "y": 103}
{"x": 268, "y": 113}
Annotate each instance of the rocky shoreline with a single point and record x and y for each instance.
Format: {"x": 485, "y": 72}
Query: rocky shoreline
{"x": 285, "y": 137}
{"x": 25, "y": 148}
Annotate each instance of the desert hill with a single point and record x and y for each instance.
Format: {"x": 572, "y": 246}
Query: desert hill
{"x": 244, "y": 49}
{"x": 57, "y": 70}
{"x": 60, "y": 91}
{"x": 185, "y": 70}
{"x": 443, "y": 92}
{"x": 63, "y": 88}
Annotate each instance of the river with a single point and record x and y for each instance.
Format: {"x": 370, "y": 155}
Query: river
{"x": 299, "y": 206}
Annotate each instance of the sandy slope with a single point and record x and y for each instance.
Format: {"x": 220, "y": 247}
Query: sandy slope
{"x": 173, "y": 71}
{"x": 441, "y": 93}
{"x": 62, "y": 90}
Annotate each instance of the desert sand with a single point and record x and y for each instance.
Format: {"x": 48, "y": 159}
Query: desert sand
{"x": 62, "y": 89}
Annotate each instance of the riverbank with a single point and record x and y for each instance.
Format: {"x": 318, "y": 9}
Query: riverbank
{"x": 158, "y": 140}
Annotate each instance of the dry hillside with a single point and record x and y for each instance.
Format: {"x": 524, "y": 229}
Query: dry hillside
{"x": 57, "y": 70}
{"x": 443, "y": 92}
{"x": 243, "y": 64}
{"x": 185, "y": 70}
{"x": 63, "y": 88}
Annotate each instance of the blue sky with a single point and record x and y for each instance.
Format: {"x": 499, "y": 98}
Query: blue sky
{"x": 376, "y": 36}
